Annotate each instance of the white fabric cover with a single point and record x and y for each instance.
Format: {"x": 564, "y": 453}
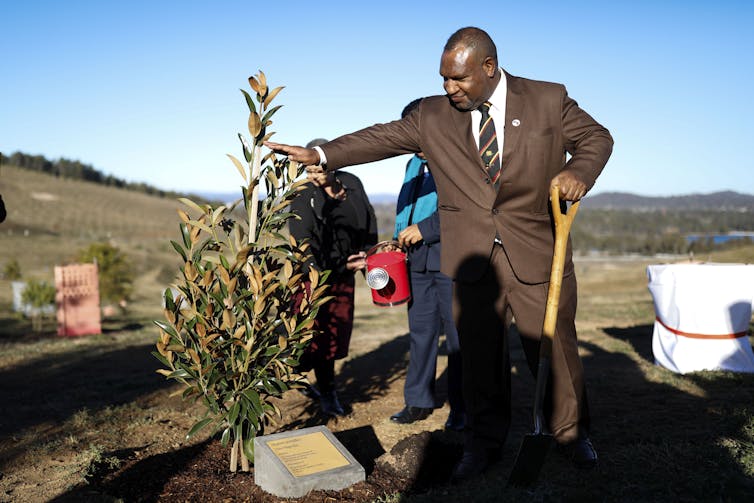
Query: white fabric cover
{"x": 703, "y": 313}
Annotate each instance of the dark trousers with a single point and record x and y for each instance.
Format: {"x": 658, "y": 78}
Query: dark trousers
{"x": 484, "y": 311}
{"x": 429, "y": 312}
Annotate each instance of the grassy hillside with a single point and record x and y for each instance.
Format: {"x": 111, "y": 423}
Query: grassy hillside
{"x": 50, "y": 219}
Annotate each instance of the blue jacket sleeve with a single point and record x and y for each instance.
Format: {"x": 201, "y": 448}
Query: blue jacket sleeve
{"x": 430, "y": 228}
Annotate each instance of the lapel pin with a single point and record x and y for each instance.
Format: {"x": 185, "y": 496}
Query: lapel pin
{"x": 515, "y": 123}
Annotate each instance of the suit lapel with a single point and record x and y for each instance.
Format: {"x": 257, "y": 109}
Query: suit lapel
{"x": 514, "y": 111}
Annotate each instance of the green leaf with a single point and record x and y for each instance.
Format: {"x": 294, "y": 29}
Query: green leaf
{"x": 186, "y": 235}
{"x": 162, "y": 359}
{"x": 248, "y": 447}
{"x": 198, "y": 426}
{"x": 179, "y": 249}
{"x": 233, "y": 413}
{"x": 225, "y": 437}
{"x": 166, "y": 327}
{"x": 255, "y": 401}
{"x": 249, "y": 101}
{"x": 224, "y": 262}
{"x": 179, "y": 374}
{"x": 246, "y": 153}
{"x": 270, "y": 113}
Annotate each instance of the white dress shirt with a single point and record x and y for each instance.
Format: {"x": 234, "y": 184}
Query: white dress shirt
{"x": 497, "y": 112}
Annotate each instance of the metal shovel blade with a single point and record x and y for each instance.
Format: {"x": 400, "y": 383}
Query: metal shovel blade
{"x": 531, "y": 457}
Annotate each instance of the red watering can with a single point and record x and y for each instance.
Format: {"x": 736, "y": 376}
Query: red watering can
{"x": 387, "y": 274}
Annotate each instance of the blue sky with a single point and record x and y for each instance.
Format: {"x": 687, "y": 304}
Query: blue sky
{"x": 148, "y": 90}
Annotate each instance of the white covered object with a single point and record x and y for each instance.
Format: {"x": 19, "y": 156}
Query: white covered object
{"x": 702, "y": 316}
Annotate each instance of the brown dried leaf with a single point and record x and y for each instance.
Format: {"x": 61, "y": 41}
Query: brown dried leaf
{"x": 201, "y": 330}
{"x": 313, "y": 277}
{"x": 287, "y": 270}
{"x": 255, "y": 124}
{"x": 254, "y": 83}
{"x": 190, "y": 271}
{"x": 223, "y": 273}
{"x": 271, "y": 97}
{"x": 241, "y": 169}
{"x": 262, "y": 83}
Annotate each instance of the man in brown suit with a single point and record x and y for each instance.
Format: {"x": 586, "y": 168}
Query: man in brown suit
{"x": 497, "y": 226}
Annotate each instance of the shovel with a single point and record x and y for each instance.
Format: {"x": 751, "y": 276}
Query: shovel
{"x": 534, "y": 448}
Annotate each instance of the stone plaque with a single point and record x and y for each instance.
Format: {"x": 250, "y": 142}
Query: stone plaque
{"x": 293, "y": 463}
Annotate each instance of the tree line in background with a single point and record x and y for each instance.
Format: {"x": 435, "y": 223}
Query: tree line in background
{"x": 77, "y": 170}
{"x": 646, "y": 232}
{"x": 661, "y": 231}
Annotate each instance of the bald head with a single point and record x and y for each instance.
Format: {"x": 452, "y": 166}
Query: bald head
{"x": 477, "y": 41}
{"x": 468, "y": 67}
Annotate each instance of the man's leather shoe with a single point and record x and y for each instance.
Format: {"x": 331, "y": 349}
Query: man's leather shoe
{"x": 581, "y": 452}
{"x": 410, "y": 414}
{"x": 473, "y": 463}
{"x": 456, "y": 421}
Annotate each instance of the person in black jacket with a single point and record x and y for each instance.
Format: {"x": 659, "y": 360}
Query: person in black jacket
{"x": 337, "y": 219}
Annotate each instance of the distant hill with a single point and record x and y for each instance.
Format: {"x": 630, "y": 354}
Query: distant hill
{"x": 716, "y": 201}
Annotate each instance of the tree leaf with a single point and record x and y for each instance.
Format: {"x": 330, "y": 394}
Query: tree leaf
{"x": 185, "y": 235}
{"x": 256, "y": 403}
{"x": 191, "y": 204}
{"x": 179, "y": 374}
{"x": 267, "y": 116}
{"x": 254, "y": 83}
{"x": 225, "y": 437}
{"x": 249, "y": 100}
{"x": 233, "y": 412}
{"x": 199, "y": 225}
{"x": 239, "y": 167}
{"x": 179, "y": 249}
{"x": 262, "y": 83}
{"x": 271, "y": 96}
{"x": 198, "y": 426}
{"x": 255, "y": 125}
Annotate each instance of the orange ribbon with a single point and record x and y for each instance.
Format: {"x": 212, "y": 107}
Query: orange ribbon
{"x": 702, "y": 336}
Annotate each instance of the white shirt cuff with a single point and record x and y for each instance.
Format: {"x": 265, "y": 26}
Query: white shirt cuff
{"x": 322, "y": 157}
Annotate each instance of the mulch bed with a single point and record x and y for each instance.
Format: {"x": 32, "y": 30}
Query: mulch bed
{"x": 200, "y": 473}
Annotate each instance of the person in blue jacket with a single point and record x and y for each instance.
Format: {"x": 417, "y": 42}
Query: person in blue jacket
{"x": 430, "y": 311}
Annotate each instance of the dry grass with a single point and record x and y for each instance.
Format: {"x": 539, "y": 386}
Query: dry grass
{"x": 73, "y": 407}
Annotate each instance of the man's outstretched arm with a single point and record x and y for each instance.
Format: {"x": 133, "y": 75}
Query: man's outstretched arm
{"x": 306, "y": 156}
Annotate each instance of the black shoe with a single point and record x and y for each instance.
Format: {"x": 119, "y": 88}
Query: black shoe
{"x": 473, "y": 463}
{"x": 328, "y": 402}
{"x": 310, "y": 391}
{"x": 456, "y": 421}
{"x": 410, "y": 414}
{"x": 581, "y": 452}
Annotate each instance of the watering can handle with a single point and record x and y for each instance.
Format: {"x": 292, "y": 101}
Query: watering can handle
{"x": 382, "y": 244}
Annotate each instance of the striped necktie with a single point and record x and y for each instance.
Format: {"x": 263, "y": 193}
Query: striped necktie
{"x": 488, "y": 144}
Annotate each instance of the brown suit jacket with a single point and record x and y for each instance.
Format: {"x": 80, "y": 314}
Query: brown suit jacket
{"x": 472, "y": 213}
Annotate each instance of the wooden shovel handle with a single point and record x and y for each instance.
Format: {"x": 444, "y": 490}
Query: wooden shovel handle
{"x": 563, "y": 223}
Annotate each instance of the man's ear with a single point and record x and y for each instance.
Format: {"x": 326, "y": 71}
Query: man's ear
{"x": 490, "y": 66}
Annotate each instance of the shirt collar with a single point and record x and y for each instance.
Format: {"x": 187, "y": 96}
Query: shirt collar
{"x": 498, "y": 95}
